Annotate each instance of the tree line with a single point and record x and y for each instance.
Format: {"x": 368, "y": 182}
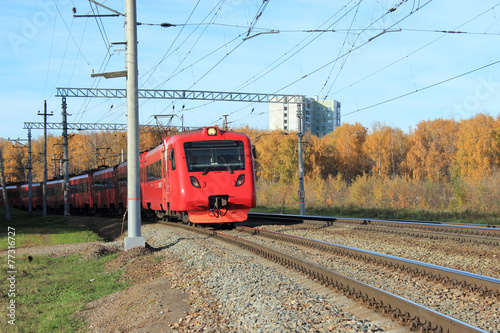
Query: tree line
{"x": 442, "y": 169}
{"x": 440, "y": 150}
{"x": 87, "y": 151}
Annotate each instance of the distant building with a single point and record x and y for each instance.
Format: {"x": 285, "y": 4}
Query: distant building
{"x": 320, "y": 117}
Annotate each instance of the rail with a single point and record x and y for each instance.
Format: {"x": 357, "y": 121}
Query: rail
{"x": 408, "y": 313}
{"x": 488, "y": 234}
{"x": 484, "y": 285}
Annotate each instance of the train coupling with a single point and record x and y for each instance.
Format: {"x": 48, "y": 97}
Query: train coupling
{"x": 218, "y": 202}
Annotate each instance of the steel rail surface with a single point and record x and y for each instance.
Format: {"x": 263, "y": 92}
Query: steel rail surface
{"x": 431, "y": 234}
{"x": 477, "y": 283}
{"x": 408, "y": 313}
{"x": 475, "y": 230}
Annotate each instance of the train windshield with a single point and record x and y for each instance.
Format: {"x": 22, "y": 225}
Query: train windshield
{"x": 217, "y": 155}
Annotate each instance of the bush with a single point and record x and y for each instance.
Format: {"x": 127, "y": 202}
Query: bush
{"x": 393, "y": 198}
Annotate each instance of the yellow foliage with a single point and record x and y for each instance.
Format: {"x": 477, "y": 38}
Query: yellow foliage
{"x": 478, "y": 149}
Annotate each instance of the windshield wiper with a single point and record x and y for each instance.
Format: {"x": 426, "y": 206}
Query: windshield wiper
{"x": 227, "y": 165}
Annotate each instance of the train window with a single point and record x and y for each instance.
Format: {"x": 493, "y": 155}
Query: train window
{"x": 153, "y": 171}
{"x": 171, "y": 158}
{"x": 216, "y": 155}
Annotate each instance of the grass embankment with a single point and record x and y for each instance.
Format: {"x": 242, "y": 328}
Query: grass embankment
{"x": 34, "y": 230}
{"x": 48, "y": 290}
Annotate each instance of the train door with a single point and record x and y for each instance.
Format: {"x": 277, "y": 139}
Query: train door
{"x": 163, "y": 184}
{"x": 169, "y": 160}
{"x": 143, "y": 189}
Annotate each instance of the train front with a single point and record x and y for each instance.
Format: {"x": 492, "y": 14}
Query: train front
{"x": 216, "y": 176}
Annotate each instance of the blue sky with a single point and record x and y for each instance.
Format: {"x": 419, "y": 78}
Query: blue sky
{"x": 358, "y": 64}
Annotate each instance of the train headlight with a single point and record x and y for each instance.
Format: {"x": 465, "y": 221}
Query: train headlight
{"x": 195, "y": 182}
{"x": 212, "y": 131}
{"x": 240, "y": 180}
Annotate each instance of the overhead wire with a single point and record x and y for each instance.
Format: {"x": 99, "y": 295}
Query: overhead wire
{"x": 344, "y": 59}
{"x": 67, "y": 43}
{"x": 353, "y": 49}
{"x": 356, "y": 5}
{"x": 50, "y": 57}
{"x": 415, "y": 51}
{"x": 348, "y": 32}
{"x": 227, "y": 54}
{"x": 102, "y": 29}
{"x": 278, "y": 62}
{"x": 152, "y": 70}
{"x": 99, "y": 24}
{"x": 340, "y": 50}
{"x": 257, "y": 16}
{"x": 424, "y": 88}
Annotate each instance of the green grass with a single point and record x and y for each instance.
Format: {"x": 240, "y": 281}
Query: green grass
{"x": 399, "y": 214}
{"x": 50, "y": 290}
{"x": 33, "y": 230}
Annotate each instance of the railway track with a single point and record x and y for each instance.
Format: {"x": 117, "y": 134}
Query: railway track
{"x": 484, "y": 285}
{"x": 409, "y": 313}
{"x": 488, "y": 234}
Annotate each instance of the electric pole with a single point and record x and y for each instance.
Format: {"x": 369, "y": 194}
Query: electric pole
{"x": 300, "y": 134}
{"x": 65, "y": 157}
{"x": 4, "y": 189}
{"x": 134, "y": 238}
{"x": 30, "y": 176}
{"x": 44, "y": 186}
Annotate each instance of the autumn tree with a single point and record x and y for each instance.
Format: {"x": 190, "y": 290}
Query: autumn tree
{"x": 149, "y": 140}
{"x": 13, "y": 154}
{"x": 251, "y": 132}
{"x": 319, "y": 157}
{"x": 386, "y": 149}
{"x": 477, "y": 147}
{"x": 277, "y": 156}
{"x": 348, "y": 141}
{"x": 432, "y": 150}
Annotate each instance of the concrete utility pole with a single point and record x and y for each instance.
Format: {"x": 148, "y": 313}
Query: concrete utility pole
{"x": 134, "y": 238}
{"x": 4, "y": 190}
{"x": 65, "y": 157}
{"x": 30, "y": 176}
{"x": 44, "y": 186}
{"x": 300, "y": 134}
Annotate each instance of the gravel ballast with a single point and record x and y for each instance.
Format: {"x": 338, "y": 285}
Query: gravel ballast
{"x": 246, "y": 295}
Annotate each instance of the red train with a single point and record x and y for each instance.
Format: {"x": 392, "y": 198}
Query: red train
{"x": 203, "y": 176}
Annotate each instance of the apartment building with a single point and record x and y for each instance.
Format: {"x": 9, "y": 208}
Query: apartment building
{"x": 320, "y": 117}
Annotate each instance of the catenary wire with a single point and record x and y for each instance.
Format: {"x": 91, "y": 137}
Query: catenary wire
{"x": 356, "y": 48}
{"x": 417, "y": 50}
{"x": 424, "y": 88}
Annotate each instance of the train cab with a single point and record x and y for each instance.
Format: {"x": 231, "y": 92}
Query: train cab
{"x": 210, "y": 176}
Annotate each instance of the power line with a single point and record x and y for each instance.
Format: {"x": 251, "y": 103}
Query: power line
{"x": 258, "y": 15}
{"x": 345, "y": 58}
{"x": 417, "y": 50}
{"x": 356, "y": 48}
{"x": 278, "y": 62}
{"x": 151, "y": 71}
{"x": 421, "y": 89}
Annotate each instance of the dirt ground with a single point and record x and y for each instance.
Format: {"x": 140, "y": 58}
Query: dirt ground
{"x": 153, "y": 303}
{"x": 156, "y": 301}
{"x": 149, "y": 305}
